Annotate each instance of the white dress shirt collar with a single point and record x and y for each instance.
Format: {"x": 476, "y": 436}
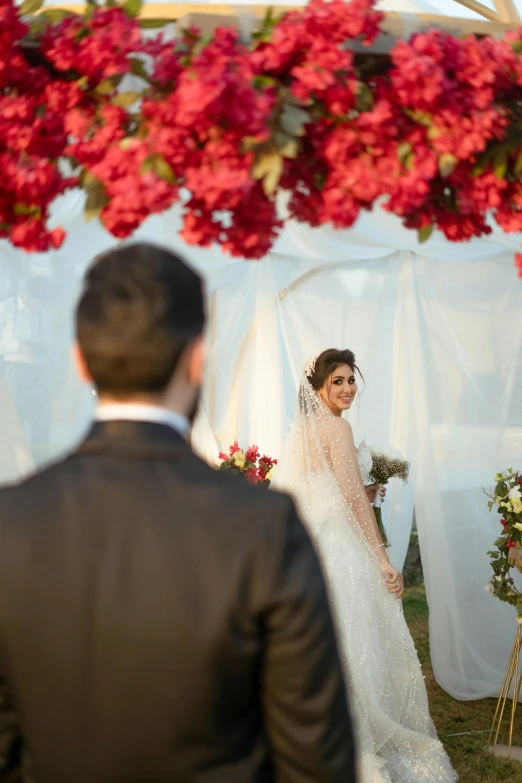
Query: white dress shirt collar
{"x": 131, "y": 411}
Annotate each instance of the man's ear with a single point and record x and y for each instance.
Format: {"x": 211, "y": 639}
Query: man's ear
{"x": 196, "y": 362}
{"x": 80, "y": 364}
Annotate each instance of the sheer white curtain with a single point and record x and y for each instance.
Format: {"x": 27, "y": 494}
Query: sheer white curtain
{"x": 436, "y": 330}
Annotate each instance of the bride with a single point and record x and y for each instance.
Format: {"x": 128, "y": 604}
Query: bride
{"x": 397, "y": 739}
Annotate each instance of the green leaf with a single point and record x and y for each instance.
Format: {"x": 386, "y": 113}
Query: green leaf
{"x": 447, "y": 163}
{"x": 56, "y": 15}
{"x": 500, "y": 162}
{"x": 293, "y": 120}
{"x": 132, "y": 7}
{"x": 160, "y": 167}
{"x": 420, "y": 117}
{"x": 290, "y": 149}
{"x": 29, "y": 7}
{"x": 126, "y": 99}
{"x": 138, "y": 68}
{"x": 269, "y": 169}
{"x": 249, "y": 143}
{"x": 24, "y": 209}
{"x": 126, "y": 142}
{"x": 96, "y": 201}
{"x": 517, "y": 47}
{"x": 364, "y": 100}
{"x": 518, "y": 163}
{"x": 403, "y": 152}
{"x": 87, "y": 180}
{"x": 153, "y": 24}
{"x": 164, "y": 171}
{"x": 259, "y": 82}
{"x": 424, "y": 233}
{"x": 106, "y": 87}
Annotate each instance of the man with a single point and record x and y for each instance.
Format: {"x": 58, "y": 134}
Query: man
{"x": 159, "y": 621}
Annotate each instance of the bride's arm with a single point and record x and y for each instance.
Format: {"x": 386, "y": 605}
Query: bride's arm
{"x": 345, "y": 465}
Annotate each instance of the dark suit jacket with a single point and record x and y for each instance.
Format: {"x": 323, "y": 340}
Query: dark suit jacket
{"x": 161, "y": 621}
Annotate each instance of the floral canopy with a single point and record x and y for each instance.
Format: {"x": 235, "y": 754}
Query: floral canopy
{"x": 313, "y": 103}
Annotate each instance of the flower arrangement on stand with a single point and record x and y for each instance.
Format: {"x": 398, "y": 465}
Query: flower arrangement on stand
{"x": 222, "y": 126}
{"x": 256, "y": 469}
{"x": 386, "y": 465}
{"x": 507, "y": 499}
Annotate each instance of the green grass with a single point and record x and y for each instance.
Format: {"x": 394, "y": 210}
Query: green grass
{"x": 467, "y": 753}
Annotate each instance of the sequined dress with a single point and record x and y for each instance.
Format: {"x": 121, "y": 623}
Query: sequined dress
{"x": 396, "y": 736}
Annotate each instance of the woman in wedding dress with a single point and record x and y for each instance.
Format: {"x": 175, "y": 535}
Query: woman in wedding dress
{"x": 396, "y": 737}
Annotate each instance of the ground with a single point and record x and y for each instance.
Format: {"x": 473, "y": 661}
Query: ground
{"x": 452, "y": 717}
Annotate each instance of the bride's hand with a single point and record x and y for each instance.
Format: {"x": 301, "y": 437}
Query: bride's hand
{"x": 393, "y": 579}
{"x": 371, "y": 492}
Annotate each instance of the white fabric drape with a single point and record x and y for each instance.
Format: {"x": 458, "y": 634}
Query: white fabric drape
{"x": 436, "y": 330}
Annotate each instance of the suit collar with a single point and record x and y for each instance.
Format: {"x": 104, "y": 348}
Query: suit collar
{"x": 140, "y": 439}
{"x": 124, "y": 411}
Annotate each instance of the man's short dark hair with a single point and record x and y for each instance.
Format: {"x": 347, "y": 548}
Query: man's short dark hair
{"x": 140, "y": 307}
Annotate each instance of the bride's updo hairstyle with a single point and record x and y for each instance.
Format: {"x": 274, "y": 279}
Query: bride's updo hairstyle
{"x": 326, "y": 364}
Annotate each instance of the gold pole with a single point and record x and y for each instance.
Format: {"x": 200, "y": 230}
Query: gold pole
{"x": 514, "y": 702}
{"x": 512, "y": 676}
{"x": 501, "y": 696}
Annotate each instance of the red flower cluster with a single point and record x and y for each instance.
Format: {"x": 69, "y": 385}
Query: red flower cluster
{"x": 225, "y": 125}
{"x": 255, "y": 469}
{"x": 32, "y": 140}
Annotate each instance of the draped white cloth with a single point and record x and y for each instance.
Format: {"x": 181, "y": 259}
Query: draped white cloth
{"x": 437, "y": 333}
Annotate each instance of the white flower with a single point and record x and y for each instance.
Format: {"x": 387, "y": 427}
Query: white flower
{"x": 518, "y": 525}
{"x": 387, "y": 451}
{"x": 498, "y": 578}
{"x": 489, "y": 588}
{"x": 514, "y": 493}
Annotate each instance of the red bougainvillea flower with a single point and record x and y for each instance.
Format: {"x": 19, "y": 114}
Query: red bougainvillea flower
{"x": 224, "y": 126}
{"x": 98, "y": 48}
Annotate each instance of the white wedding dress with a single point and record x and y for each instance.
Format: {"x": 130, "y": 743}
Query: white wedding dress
{"x": 396, "y": 737}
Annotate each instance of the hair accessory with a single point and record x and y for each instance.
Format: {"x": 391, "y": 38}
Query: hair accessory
{"x": 310, "y": 364}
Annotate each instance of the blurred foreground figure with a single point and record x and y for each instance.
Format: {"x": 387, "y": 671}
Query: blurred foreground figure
{"x": 159, "y": 621}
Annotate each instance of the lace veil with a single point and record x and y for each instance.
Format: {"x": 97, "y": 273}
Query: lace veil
{"x": 320, "y": 468}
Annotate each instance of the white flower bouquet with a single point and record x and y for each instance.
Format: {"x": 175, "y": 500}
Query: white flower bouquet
{"x": 387, "y": 463}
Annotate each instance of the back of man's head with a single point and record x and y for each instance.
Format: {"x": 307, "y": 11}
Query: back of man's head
{"x": 140, "y": 308}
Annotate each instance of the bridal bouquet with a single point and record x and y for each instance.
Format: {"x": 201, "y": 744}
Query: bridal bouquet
{"x": 256, "y": 469}
{"x": 507, "y": 498}
{"x": 386, "y": 464}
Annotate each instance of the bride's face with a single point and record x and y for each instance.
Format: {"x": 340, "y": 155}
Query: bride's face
{"x": 339, "y": 391}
